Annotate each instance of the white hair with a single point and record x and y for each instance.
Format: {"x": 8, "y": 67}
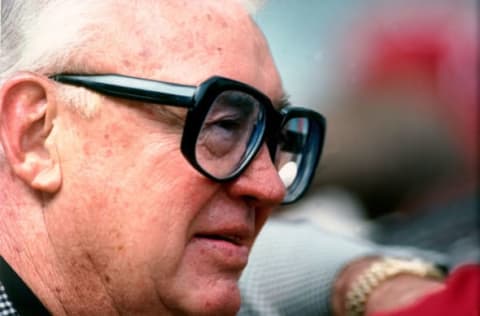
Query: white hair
{"x": 43, "y": 35}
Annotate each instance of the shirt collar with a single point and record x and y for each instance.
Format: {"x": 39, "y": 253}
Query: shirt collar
{"x": 6, "y": 306}
{"x": 16, "y": 294}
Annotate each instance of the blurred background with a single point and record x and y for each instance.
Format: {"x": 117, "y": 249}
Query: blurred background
{"x": 398, "y": 83}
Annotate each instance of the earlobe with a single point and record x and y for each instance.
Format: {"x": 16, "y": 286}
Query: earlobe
{"x": 27, "y": 113}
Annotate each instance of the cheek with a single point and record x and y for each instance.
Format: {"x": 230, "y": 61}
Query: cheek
{"x": 154, "y": 192}
{"x": 132, "y": 203}
{"x": 130, "y": 181}
{"x": 165, "y": 196}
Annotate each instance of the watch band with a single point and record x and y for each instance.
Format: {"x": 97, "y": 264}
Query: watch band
{"x": 381, "y": 271}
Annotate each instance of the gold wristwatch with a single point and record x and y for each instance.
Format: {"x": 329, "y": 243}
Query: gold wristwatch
{"x": 380, "y": 271}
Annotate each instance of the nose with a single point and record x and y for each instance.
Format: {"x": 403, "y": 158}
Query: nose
{"x": 259, "y": 185}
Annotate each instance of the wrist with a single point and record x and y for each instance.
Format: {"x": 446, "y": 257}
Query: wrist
{"x": 376, "y": 283}
{"x": 345, "y": 279}
{"x": 400, "y": 291}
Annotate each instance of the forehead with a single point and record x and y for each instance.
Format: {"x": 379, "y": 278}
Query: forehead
{"x": 187, "y": 42}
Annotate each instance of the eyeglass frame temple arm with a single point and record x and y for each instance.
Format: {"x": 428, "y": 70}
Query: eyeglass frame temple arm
{"x": 137, "y": 89}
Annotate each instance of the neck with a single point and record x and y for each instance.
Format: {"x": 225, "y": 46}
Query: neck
{"x": 15, "y": 248}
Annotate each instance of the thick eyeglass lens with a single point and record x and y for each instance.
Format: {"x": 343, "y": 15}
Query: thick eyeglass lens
{"x": 230, "y": 132}
{"x": 291, "y": 150}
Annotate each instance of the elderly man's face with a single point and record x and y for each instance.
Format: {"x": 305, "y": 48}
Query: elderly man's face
{"x": 156, "y": 234}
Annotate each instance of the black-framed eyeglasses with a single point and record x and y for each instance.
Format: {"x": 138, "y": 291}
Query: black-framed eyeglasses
{"x": 226, "y": 124}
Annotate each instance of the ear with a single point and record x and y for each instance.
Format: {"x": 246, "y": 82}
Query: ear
{"x": 27, "y": 114}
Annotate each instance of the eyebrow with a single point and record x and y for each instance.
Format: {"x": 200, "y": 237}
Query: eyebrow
{"x": 283, "y": 102}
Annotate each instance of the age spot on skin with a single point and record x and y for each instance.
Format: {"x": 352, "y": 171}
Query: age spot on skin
{"x": 144, "y": 53}
{"x": 126, "y": 63}
{"x": 87, "y": 149}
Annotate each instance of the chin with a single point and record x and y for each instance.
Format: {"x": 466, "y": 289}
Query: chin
{"x": 223, "y": 300}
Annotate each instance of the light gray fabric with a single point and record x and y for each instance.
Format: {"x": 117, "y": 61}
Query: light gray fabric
{"x": 292, "y": 268}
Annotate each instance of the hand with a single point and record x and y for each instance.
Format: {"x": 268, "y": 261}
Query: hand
{"x": 400, "y": 291}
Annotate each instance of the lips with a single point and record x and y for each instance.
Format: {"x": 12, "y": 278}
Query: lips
{"x": 226, "y": 248}
{"x": 239, "y": 234}
{"x": 234, "y": 239}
